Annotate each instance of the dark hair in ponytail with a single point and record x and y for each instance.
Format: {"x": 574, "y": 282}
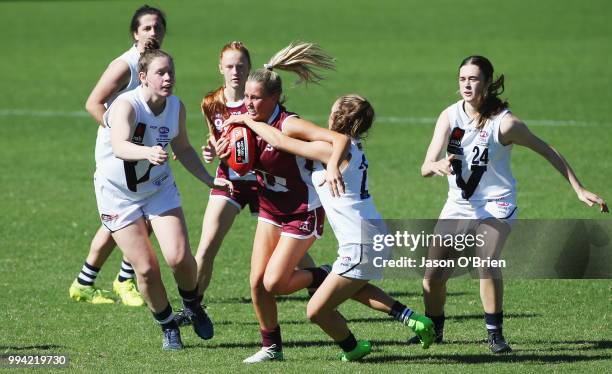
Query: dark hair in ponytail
{"x": 143, "y": 10}
{"x": 491, "y": 102}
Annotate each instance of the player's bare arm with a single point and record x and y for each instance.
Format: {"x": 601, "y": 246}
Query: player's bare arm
{"x": 514, "y": 131}
{"x": 122, "y": 123}
{"x": 316, "y": 150}
{"x": 189, "y": 158}
{"x": 301, "y": 129}
{"x": 435, "y": 163}
{"x": 115, "y": 77}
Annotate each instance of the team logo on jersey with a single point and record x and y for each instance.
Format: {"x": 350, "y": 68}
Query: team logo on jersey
{"x": 454, "y": 141}
{"x": 108, "y": 217}
{"x": 483, "y": 138}
{"x": 139, "y": 132}
{"x": 164, "y": 130}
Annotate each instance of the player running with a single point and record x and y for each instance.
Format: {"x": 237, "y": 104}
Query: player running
{"x": 148, "y": 28}
{"x": 134, "y": 182}
{"x": 354, "y": 220}
{"x": 478, "y": 132}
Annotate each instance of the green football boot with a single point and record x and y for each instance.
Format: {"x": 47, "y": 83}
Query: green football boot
{"x": 362, "y": 349}
{"x": 423, "y": 327}
{"x": 90, "y": 294}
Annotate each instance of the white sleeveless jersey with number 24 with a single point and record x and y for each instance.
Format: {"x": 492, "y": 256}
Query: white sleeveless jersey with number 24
{"x": 350, "y": 213}
{"x": 138, "y": 178}
{"x": 482, "y": 164}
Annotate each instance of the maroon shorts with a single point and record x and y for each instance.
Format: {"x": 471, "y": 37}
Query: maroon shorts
{"x": 299, "y": 226}
{"x": 245, "y": 193}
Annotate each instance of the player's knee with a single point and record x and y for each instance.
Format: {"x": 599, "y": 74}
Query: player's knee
{"x": 178, "y": 258}
{"x": 313, "y": 313}
{"x": 256, "y": 281}
{"x": 148, "y": 273}
{"x": 433, "y": 284}
{"x": 273, "y": 284}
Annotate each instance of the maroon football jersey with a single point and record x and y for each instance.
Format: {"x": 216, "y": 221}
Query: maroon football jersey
{"x": 217, "y": 119}
{"x": 284, "y": 180}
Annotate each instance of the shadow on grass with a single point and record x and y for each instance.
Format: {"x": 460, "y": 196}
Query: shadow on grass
{"x": 381, "y": 319}
{"x": 42, "y": 347}
{"x": 446, "y": 359}
{"x": 305, "y": 298}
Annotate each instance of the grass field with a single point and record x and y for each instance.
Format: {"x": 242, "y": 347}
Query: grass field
{"x": 403, "y": 56}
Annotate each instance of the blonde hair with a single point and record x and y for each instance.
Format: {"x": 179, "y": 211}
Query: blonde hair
{"x": 301, "y": 58}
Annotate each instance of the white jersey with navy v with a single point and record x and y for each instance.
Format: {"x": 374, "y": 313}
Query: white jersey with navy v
{"x": 139, "y": 178}
{"x": 350, "y": 215}
{"x": 482, "y": 164}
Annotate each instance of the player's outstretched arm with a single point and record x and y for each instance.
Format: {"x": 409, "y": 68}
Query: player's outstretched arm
{"x": 513, "y": 130}
{"x": 189, "y": 158}
{"x": 317, "y": 150}
{"x": 301, "y": 129}
{"x": 115, "y": 77}
{"x": 433, "y": 163}
{"x": 320, "y": 145}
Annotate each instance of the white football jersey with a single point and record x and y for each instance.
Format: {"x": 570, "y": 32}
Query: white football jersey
{"x": 350, "y": 213}
{"x": 138, "y": 178}
{"x": 482, "y": 163}
{"x": 131, "y": 57}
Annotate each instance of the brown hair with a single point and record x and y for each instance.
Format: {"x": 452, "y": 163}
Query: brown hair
{"x": 214, "y": 101}
{"x": 491, "y": 103}
{"x": 148, "y": 56}
{"x": 300, "y": 58}
{"x": 144, "y": 10}
{"x": 353, "y": 116}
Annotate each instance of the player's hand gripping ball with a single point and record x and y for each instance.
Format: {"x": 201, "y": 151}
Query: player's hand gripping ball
{"x": 242, "y": 144}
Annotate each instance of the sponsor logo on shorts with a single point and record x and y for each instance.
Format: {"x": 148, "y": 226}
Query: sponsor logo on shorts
{"x": 108, "y": 217}
{"x": 345, "y": 261}
{"x": 305, "y": 226}
{"x": 160, "y": 180}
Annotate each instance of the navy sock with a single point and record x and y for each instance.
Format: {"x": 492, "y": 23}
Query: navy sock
{"x": 126, "y": 272}
{"x": 400, "y": 312}
{"x": 438, "y": 322}
{"x": 349, "y": 343}
{"x": 88, "y": 275}
{"x": 190, "y": 298}
{"x": 494, "y": 321}
{"x": 318, "y": 276}
{"x": 165, "y": 318}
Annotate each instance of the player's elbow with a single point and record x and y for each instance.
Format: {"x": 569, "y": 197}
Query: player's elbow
{"x": 425, "y": 171}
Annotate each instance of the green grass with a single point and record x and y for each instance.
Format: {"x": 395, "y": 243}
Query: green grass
{"x": 403, "y": 56}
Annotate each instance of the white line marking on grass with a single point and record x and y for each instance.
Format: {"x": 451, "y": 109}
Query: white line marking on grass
{"x": 319, "y": 118}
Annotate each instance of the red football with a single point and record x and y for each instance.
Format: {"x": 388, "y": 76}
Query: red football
{"x": 242, "y": 148}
